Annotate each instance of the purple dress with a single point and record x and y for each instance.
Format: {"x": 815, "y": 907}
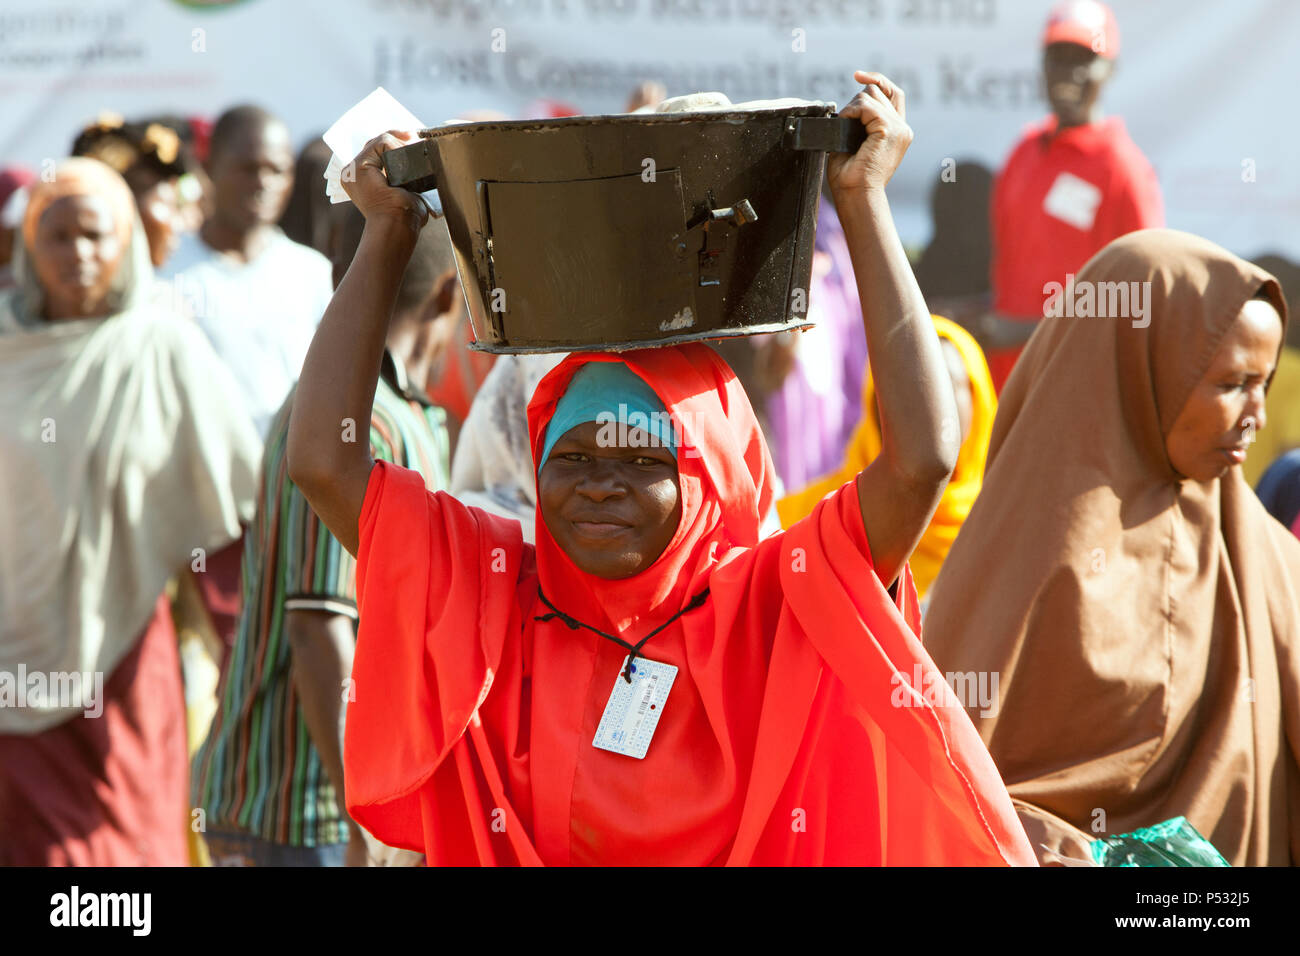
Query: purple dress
{"x": 813, "y": 414}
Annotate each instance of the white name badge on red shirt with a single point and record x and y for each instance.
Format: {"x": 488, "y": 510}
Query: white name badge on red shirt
{"x": 634, "y": 709}
{"x": 1073, "y": 200}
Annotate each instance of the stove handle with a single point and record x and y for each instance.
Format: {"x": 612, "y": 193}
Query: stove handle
{"x": 829, "y": 134}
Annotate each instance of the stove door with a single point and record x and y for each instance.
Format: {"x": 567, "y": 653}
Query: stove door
{"x": 607, "y": 259}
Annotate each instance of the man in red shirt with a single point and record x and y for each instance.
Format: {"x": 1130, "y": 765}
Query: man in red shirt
{"x": 1074, "y": 182}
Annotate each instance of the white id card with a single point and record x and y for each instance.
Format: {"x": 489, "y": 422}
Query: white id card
{"x": 634, "y": 709}
{"x": 1073, "y": 200}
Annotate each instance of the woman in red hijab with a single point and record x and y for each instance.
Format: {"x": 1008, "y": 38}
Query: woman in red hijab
{"x": 651, "y": 684}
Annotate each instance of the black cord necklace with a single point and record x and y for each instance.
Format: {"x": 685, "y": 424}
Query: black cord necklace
{"x": 634, "y": 649}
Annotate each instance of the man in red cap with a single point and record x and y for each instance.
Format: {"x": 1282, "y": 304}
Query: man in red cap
{"x": 1074, "y": 182}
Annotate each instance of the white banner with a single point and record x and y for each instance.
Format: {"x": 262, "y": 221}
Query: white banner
{"x": 1205, "y": 89}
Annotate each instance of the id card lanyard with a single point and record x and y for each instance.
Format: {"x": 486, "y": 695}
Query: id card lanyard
{"x": 640, "y": 691}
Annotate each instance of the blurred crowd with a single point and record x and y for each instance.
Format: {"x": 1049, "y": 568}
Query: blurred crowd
{"x": 161, "y": 288}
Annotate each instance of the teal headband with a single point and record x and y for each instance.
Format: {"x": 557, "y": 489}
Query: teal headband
{"x": 609, "y": 392}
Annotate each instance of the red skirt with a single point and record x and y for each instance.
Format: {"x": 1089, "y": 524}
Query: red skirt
{"x": 110, "y": 790}
{"x": 221, "y": 589}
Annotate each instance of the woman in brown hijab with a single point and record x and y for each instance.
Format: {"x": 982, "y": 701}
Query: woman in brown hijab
{"x": 1139, "y": 607}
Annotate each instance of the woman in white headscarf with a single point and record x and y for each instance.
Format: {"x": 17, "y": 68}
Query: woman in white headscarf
{"x": 493, "y": 465}
{"x": 124, "y": 457}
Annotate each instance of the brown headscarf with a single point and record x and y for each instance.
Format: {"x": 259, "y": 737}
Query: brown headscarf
{"x": 1145, "y": 630}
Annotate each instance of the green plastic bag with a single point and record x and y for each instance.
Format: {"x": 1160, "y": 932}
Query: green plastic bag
{"x": 1172, "y": 843}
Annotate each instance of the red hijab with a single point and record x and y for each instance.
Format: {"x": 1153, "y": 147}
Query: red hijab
{"x": 724, "y": 472}
{"x": 794, "y": 734}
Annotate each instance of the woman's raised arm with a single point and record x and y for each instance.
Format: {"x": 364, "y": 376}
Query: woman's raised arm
{"x": 329, "y": 430}
{"x": 920, "y": 434}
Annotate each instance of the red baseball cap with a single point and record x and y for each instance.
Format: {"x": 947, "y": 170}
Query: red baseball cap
{"x": 1085, "y": 22}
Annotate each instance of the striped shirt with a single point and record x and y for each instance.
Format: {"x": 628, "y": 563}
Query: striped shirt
{"x": 258, "y": 771}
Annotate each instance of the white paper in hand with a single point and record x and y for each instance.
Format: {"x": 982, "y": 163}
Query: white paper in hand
{"x": 375, "y": 114}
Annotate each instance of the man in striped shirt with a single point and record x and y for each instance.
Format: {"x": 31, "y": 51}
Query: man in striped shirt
{"x": 269, "y": 778}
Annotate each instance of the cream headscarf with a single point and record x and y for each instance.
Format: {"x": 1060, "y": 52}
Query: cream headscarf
{"x": 1145, "y": 630}
{"x": 124, "y": 455}
{"x": 493, "y": 466}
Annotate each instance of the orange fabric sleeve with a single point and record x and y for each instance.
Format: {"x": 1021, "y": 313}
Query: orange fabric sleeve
{"x": 413, "y": 697}
{"x": 886, "y": 738}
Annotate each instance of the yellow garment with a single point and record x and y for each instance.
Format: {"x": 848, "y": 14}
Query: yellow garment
{"x": 962, "y": 490}
{"x": 1281, "y": 431}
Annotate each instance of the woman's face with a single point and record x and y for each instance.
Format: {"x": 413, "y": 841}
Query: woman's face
{"x": 1226, "y": 408}
{"x": 76, "y": 253}
{"x": 612, "y": 509}
{"x": 159, "y": 202}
